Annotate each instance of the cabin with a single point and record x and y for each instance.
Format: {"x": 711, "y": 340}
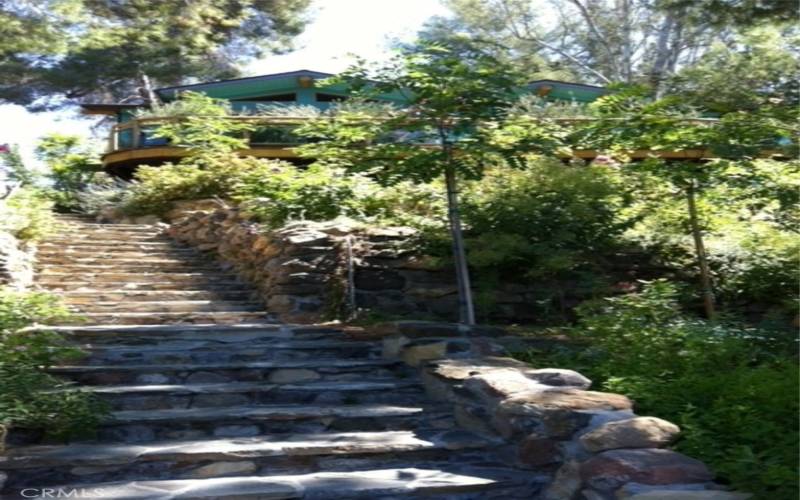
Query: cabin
{"x": 131, "y": 141}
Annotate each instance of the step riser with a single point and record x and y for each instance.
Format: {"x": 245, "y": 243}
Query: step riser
{"x": 402, "y": 396}
{"x": 162, "y": 375}
{"x": 78, "y": 298}
{"x": 228, "y": 355}
{"x": 265, "y": 466}
{"x": 158, "y": 318}
{"x": 115, "y": 286}
{"x": 118, "y": 260}
{"x": 118, "y": 278}
{"x": 79, "y": 256}
{"x": 109, "y": 236}
{"x": 104, "y": 247}
{"x": 182, "y": 267}
{"x": 165, "y": 306}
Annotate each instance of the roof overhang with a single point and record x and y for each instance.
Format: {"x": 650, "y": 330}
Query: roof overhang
{"x": 108, "y": 109}
{"x": 272, "y": 82}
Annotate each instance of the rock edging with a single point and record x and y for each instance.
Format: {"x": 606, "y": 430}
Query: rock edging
{"x": 17, "y": 261}
{"x": 591, "y": 443}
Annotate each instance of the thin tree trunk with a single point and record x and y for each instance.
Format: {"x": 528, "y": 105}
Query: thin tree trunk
{"x": 466, "y": 310}
{"x": 700, "y": 250}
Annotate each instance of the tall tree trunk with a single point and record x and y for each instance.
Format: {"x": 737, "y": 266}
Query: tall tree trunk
{"x": 466, "y": 310}
{"x": 700, "y": 250}
{"x": 147, "y": 90}
{"x": 662, "y": 54}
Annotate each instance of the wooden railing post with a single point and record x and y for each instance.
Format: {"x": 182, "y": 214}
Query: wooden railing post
{"x": 136, "y": 133}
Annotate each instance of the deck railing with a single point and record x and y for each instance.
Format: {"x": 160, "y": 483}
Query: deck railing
{"x": 139, "y": 132}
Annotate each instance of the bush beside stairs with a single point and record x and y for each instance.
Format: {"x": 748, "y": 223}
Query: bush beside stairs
{"x": 211, "y": 399}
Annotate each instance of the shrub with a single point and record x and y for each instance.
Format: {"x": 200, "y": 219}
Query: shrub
{"x": 72, "y": 163}
{"x": 734, "y": 390}
{"x": 748, "y": 216}
{"x": 29, "y": 397}
{"x": 316, "y": 193}
{"x": 321, "y": 192}
{"x": 156, "y": 189}
{"x": 546, "y": 220}
{"x": 104, "y": 191}
{"x": 27, "y": 214}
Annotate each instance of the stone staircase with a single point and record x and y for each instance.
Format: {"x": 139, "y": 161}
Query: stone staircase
{"x": 209, "y": 399}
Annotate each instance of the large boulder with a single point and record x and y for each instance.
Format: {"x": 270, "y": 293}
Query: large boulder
{"x": 638, "y": 432}
{"x": 611, "y": 469}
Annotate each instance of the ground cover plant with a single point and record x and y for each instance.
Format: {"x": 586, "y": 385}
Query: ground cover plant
{"x": 732, "y": 388}
{"x": 29, "y": 397}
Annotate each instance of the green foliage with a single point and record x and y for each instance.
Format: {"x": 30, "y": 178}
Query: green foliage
{"x": 72, "y": 163}
{"x": 29, "y": 397}
{"x": 27, "y": 215}
{"x": 57, "y": 50}
{"x": 157, "y": 188}
{"x": 317, "y": 193}
{"x": 748, "y": 212}
{"x": 733, "y": 390}
{"x": 15, "y": 168}
{"x": 204, "y": 126}
{"x": 544, "y": 221}
{"x": 755, "y": 70}
{"x": 451, "y": 86}
{"x": 104, "y": 191}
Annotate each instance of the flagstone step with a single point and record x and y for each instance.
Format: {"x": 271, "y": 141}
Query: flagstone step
{"x": 390, "y": 483}
{"x": 119, "y": 259}
{"x": 196, "y": 352}
{"x": 79, "y": 254}
{"x": 182, "y": 396}
{"x": 241, "y": 448}
{"x": 223, "y": 336}
{"x": 183, "y": 278}
{"x": 215, "y": 284}
{"x": 298, "y": 453}
{"x": 173, "y": 306}
{"x": 269, "y": 371}
{"x": 158, "y": 317}
{"x": 93, "y": 296}
{"x": 103, "y": 246}
{"x": 80, "y": 224}
{"x": 127, "y": 237}
{"x": 47, "y": 270}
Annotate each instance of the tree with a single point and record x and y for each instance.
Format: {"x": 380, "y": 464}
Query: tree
{"x": 15, "y": 169}
{"x": 599, "y": 41}
{"x": 72, "y": 165}
{"x": 628, "y": 121}
{"x": 84, "y": 49}
{"x": 740, "y": 12}
{"x": 453, "y": 88}
{"x": 756, "y": 71}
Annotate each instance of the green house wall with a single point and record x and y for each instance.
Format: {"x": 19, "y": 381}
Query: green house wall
{"x": 239, "y": 90}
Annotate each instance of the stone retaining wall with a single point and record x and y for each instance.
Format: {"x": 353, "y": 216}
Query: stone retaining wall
{"x": 591, "y": 443}
{"x": 295, "y": 268}
{"x": 308, "y": 271}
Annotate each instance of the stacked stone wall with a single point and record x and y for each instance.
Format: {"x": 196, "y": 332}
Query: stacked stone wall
{"x": 308, "y": 271}
{"x": 591, "y": 444}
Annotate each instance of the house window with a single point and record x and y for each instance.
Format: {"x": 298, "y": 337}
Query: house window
{"x": 270, "y": 98}
{"x": 330, "y": 97}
